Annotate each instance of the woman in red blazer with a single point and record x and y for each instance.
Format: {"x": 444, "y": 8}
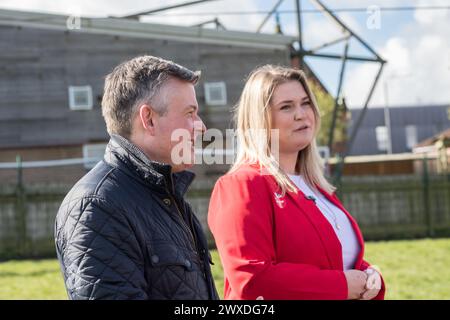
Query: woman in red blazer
{"x": 280, "y": 230}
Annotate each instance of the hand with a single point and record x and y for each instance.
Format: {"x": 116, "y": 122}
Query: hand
{"x": 356, "y": 283}
{"x": 373, "y": 284}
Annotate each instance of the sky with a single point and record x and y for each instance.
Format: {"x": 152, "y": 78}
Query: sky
{"x": 415, "y": 43}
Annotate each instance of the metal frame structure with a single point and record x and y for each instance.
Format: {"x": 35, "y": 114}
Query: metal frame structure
{"x": 302, "y": 53}
{"x": 215, "y": 21}
{"x": 143, "y": 13}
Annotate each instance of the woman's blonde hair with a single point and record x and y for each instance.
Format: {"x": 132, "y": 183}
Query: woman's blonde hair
{"x": 253, "y": 124}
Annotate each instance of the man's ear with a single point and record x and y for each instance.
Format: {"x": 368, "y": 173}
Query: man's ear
{"x": 147, "y": 117}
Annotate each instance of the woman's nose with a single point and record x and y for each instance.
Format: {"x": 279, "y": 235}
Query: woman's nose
{"x": 299, "y": 113}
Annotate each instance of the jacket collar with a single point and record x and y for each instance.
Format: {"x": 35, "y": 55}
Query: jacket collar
{"x": 121, "y": 153}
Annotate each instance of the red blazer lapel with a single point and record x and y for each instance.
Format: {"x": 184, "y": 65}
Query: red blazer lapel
{"x": 328, "y": 237}
{"x": 330, "y": 242}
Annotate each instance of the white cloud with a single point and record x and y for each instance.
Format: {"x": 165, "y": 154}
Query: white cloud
{"x": 397, "y": 55}
{"x": 102, "y": 8}
{"x": 427, "y": 17}
{"x": 319, "y": 30}
{"x": 418, "y": 68}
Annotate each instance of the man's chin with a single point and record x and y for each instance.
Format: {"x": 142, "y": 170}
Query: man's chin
{"x": 184, "y": 163}
{"x": 182, "y": 167}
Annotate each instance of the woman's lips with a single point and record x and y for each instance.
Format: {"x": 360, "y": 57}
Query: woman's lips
{"x": 302, "y": 128}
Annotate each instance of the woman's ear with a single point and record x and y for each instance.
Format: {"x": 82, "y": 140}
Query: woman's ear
{"x": 147, "y": 117}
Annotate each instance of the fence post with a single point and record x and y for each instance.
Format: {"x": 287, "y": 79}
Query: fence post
{"x": 21, "y": 211}
{"x": 337, "y": 176}
{"x": 426, "y": 197}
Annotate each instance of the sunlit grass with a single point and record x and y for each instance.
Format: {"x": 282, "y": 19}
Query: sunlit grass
{"x": 413, "y": 269}
{"x": 417, "y": 269}
{"x": 31, "y": 279}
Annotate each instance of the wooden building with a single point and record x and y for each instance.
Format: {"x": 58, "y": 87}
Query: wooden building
{"x": 52, "y": 77}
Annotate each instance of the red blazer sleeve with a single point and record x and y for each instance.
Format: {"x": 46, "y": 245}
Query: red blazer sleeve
{"x": 364, "y": 265}
{"x": 381, "y": 294}
{"x": 240, "y": 217}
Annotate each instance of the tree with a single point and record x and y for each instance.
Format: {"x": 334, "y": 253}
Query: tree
{"x": 326, "y": 105}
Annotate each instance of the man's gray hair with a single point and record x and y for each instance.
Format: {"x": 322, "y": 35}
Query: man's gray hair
{"x": 135, "y": 82}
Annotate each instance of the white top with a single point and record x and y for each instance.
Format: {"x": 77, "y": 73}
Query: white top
{"x": 338, "y": 220}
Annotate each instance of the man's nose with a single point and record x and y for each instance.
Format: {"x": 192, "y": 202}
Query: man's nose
{"x": 199, "y": 125}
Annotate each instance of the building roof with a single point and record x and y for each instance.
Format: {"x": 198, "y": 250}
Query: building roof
{"x": 418, "y": 113}
{"x": 431, "y": 141}
{"x": 428, "y": 120}
{"x": 133, "y": 28}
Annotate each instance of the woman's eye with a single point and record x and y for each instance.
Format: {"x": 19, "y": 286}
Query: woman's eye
{"x": 285, "y": 107}
{"x": 306, "y": 104}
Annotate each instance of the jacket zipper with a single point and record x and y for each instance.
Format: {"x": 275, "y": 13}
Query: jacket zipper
{"x": 193, "y": 238}
{"x": 183, "y": 222}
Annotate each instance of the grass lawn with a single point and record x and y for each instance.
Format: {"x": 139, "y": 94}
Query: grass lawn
{"x": 417, "y": 269}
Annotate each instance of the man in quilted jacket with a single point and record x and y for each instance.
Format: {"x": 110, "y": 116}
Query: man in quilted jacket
{"x": 125, "y": 231}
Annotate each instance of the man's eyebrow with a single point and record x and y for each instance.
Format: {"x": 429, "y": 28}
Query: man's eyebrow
{"x": 191, "y": 106}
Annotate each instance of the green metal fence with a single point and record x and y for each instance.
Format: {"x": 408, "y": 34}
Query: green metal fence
{"x": 399, "y": 206}
{"x": 386, "y": 207}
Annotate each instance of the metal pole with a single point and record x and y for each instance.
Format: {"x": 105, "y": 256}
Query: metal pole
{"x": 339, "y": 22}
{"x": 387, "y": 117}
{"x": 20, "y": 212}
{"x": 340, "y": 164}
{"x": 215, "y": 21}
{"x": 136, "y": 15}
{"x": 330, "y": 43}
{"x": 337, "y": 56}
{"x": 426, "y": 197}
{"x": 336, "y": 103}
{"x": 261, "y": 25}
{"x": 299, "y": 25}
{"x": 19, "y": 171}
{"x": 361, "y": 116}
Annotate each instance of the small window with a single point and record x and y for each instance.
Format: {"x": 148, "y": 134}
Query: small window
{"x": 411, "y": 136}
{"x": 382, "y": 138}
{"x": 93, "y": 153}
{"x": 80, "y": 98}
{"x": 215, "y": 93}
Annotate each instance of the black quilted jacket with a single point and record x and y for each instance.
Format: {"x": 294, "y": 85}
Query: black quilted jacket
{"x": 124, "y": 231}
